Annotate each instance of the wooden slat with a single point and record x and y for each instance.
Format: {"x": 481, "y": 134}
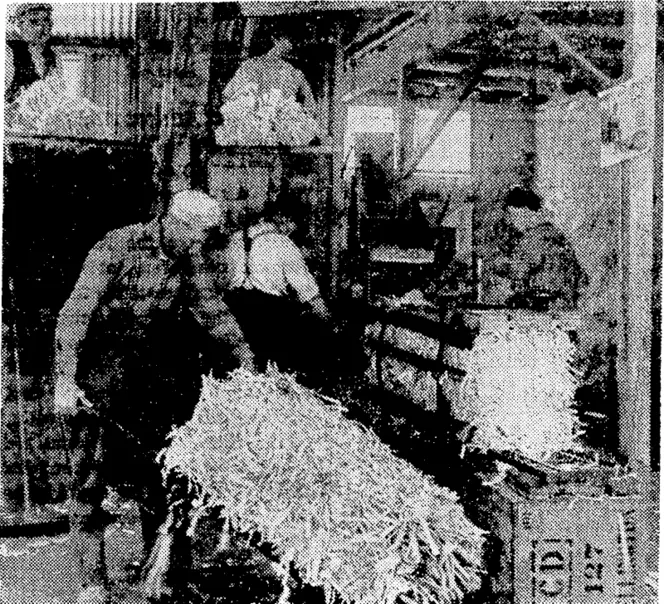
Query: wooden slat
{"x": 357, "y": 49}
{"x": 566, "y": 47}
{"x": 349, "y": 97}
{"x": 433, "y": 366}
{"x": 68, "y": 141}
{"x": 612, "y": 32}
{"x": 427, "y": 326}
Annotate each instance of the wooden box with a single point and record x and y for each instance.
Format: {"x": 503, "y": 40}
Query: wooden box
{"x": 563, "y": 550}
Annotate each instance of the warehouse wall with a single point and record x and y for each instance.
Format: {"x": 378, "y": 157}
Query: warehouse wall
{"x": 503, "y": 137}
{"x": 587, "y": 207}
{"x": 502, "y": 133}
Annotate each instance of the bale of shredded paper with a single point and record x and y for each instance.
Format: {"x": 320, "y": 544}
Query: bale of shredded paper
{"x": 48, "y": 108}
{"x": 326, "y": 493}
{"x": 268, "y": 119}
{"x": 519, "y": 390}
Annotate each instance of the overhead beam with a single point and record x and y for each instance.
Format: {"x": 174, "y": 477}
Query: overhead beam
{"x": 289, "y": 7}
{"x": 569, "y": 50}
{"x": 349, "y": 97}
{"x": 386, "y": 37}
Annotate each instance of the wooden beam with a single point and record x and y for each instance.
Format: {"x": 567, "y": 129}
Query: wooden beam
{"x": 400, "y": 126}
{"x": 658, "y": 228}
{"x": 386, "y": 37}
{"x": 441, "y": 120}
{"x": 569, "y": 50}
{"x": 337, "y": 213}
{"x": 289, "y": 7}
{"x": 613, "y": 32}
{"x": 634, "y": 355}
{"x": 349, "y": 97}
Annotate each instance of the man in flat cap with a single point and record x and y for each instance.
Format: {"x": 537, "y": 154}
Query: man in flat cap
{"x": 542, "y": 267}
{"x": 142, "y": 325}
{"x": 29, "y": 57}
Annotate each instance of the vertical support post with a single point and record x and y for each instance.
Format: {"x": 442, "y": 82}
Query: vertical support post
{"x": 140, "y": 66}
{"x": 338, "y": 215}
{"x": 399, "y": 127}
{"x": 658, "y": 225}
{"x": 189, "y": 84}
{"x": 634, "y": 391}
{"x": 403, "y": 136}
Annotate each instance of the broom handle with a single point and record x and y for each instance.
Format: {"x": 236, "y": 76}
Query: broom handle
{"x": 3, "y": 499}
{"x": 74, "y": 533}
{"x": 27, "y": 500}
{"x": 87, "y": 406}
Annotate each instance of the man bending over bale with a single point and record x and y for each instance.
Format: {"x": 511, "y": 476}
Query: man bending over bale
{"x": 135, "y": 335}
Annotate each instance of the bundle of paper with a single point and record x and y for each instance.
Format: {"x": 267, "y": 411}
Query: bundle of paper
{"x": 519, "y": 391}
{"x": 326, "y": 493}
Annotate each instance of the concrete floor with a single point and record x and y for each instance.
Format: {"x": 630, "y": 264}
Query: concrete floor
{"x": 44, "y": 570}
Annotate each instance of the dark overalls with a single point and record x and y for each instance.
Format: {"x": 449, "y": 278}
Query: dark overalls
{"x": 144, "y": 378}
{"x": 25, "y": 73}
{"x": 279, "y": 329}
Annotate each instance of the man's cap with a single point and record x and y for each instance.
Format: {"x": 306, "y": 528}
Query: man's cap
{"x": 196, "y": 208}
{"x": 18, "y": 11}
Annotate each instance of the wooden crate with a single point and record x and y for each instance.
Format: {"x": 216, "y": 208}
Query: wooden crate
{"x": 563, "y": 550}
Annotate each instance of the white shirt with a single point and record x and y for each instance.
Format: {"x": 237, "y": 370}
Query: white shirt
{"x": 275, "y": 264}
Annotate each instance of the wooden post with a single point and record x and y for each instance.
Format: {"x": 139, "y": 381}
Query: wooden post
{"x": 338, "y": 211}
{"x": 400, "y": 113}
{"x": 634, "y": 391}
{"x": 400, "y": 118}
{"x": 658, "y": 224}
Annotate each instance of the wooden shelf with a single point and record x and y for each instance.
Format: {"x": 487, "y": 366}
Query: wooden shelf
{"x": 273, "y": 149}
{"x": 64, "y": 141}
{"x": 123, "y": 45}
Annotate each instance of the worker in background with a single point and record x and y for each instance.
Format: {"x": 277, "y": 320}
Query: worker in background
{"x": 275, "y": 297}
{"x": 29, "y": 57}
{"x": 273, "y": 71}
{"x": 131, "y": 335}
{"x": 268, "y": 101}
{"x": 542, "y": 267}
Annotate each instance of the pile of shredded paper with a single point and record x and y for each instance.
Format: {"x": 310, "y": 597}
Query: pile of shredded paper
{"x": 47, "y": 107}
{"x": 326, "y": 493}
{"x": 272, "y": 118}
{"x": 519, "y": 390}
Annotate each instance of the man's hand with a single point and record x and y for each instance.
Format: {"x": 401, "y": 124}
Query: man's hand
{"x": 319, "y": 309}
{"x": 246, "y": 357}
{"x": 66, "y": 396}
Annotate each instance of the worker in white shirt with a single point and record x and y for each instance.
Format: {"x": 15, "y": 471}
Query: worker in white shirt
{"x": 274, "y": 296}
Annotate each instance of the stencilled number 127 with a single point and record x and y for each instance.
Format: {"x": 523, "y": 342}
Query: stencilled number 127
{"x": 593, "y": 569}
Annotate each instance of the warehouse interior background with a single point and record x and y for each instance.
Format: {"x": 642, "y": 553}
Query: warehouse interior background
{"x": 426, "y": 115}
